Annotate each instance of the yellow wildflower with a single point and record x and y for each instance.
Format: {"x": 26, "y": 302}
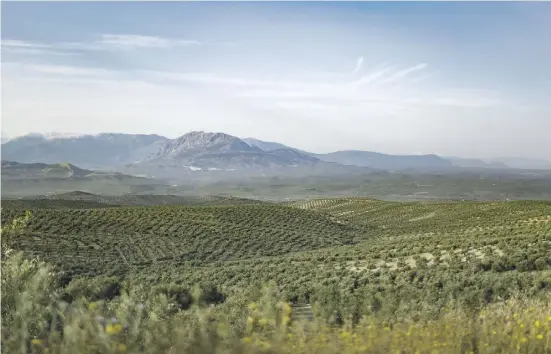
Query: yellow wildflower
{"x": 92, "y": 305}
{"x": 286, "y": 308}
{"x": 286, "y": 320}
{"x": 253, "y": 306}
{"x": 113, "y": 328}
{"x": 37, "y": 341}
{"x": 247, "y": 340}
{"x": 121, "y": 348}
{"x": 523, "y": 340}
{"x": 345, "y": 335}
{"x": 537, "y": 324}
{"x": 263, "y": 321}
{"x": 539, "y": 336}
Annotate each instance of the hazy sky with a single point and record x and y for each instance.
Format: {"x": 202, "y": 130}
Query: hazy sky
{"x": 464, "y": 79}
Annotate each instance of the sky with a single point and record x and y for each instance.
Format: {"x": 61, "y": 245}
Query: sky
{"x": 456, "y": 79}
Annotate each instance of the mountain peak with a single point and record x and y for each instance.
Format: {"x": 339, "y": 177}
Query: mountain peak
{"x": 203, "y": 139}
{"x": 201, "y": 142}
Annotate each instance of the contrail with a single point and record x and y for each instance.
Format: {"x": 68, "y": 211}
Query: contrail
{"x": 359, "y": 63}
{"x": 405, "y": 72}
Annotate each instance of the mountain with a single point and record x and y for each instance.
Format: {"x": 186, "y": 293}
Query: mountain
{"x": 198, "y": 150}
{"x": 270, "y": 145}
{"x": 363, "y": 158}
{"x": 203, "y": 150}
{"x": 384, "y": 161}
{"x": 90, "y": 151}
{"x": 265, "y": 145}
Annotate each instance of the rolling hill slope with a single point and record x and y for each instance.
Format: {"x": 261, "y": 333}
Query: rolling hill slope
{"x": 99, "y": 239}
{"x": 411, "y": 259}
{"x": 31, "y": 179}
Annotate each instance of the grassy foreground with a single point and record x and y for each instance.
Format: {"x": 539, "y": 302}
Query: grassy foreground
{"x": 36, "y": 319}
{"x": 380, "y": 277}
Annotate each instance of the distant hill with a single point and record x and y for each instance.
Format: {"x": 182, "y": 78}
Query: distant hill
{"x": 17, "y": 170}
{"x": 89, "y": 151}
{"x": 28, "y": 179}
{"x": 384, "y": 161}
{"x": 364, "y": 158}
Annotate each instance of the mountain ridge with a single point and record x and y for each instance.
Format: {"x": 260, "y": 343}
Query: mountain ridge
{"x": 223, "y": 151}
{"x": 205, "y": 150}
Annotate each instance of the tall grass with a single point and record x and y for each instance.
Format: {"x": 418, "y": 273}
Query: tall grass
{"x": 35, "y": 319}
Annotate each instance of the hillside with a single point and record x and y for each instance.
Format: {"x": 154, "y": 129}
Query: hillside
{"x": 214, "y": 151}
{"x": 335, "y": 260}
{"x": 89, "y": 151}
{"x": 317, "y": 238}
{"x": 17, "y": 170}
{"x": 32, "y": 179}
{"x": 386, "y": 162}
{"x": 75, "y": 238}
{"x": 79, "y": 199}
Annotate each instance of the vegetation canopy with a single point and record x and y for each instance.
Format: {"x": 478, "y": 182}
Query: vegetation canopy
{"x": 349, "y": 275}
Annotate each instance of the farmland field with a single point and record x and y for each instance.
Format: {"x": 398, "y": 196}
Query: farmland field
{"x": 337, "y": 260}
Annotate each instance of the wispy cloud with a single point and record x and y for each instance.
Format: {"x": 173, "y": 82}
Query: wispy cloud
{"x": 359, "y": 63}
{"x": 384, "y": 84}
{"x": 14, "y": 43}
{"x": 132, "y": 41}
{"x": 103, "y": 42}
{"x": 21, "y": 70}
{"x": 388, "y": 88}
{"x": 31, "y": 48}
{"x": 405, "y": 72}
